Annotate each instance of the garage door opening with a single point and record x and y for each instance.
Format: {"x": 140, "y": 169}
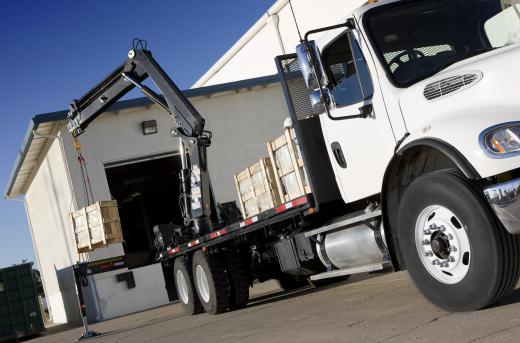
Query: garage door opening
{"x": 148, "y": 194}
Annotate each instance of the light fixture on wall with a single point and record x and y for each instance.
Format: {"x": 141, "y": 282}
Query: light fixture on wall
{"x": 149, "y": 127}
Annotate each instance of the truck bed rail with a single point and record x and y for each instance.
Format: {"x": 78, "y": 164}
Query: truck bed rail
{"x": 246, "y": 226}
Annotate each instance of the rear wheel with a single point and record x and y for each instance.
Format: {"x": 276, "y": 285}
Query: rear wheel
{"x": 238, "y": 282}
{"x": 456, "y": 252}
{"x": 185, "y": 286}
{"x": 211, "y": 282}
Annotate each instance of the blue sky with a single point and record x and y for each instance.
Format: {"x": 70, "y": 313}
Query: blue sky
{"x": 53, "y": 51}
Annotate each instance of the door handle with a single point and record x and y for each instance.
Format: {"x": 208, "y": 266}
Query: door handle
{"x": 338, "y": 154}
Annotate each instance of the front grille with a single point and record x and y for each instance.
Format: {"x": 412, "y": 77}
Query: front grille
{"x": 450, "y": 85}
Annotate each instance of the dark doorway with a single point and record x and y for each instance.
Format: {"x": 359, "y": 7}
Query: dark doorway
{"x": 148, "y": 194}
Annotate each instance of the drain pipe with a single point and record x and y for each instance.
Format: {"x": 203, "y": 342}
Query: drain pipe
{"x": 250, "y": 34}
{"x": 274, "y": 21}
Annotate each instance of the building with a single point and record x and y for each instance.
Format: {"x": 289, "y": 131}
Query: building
{"x": 241, "y": 99}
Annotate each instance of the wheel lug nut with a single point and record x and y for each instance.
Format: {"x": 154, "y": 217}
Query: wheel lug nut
{"x": 426, "y": 242}
{"x": 452, "y": 248}
{"x": 433, "y": 227}
{"x": 451, "y": 259}
{"x": 450, "y": 237}
{"x": 427, "y": 232}
{"x": 445, "y": 265}
{"x": 428, "y": 254}
{"x": 442, "y": 228}
{"x": 436, "y": 262}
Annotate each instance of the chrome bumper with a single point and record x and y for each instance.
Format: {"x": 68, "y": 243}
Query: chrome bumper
{"x": 505, "y": 200}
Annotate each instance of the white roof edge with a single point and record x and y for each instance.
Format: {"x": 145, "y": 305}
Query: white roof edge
{"x": 221, "y": 62}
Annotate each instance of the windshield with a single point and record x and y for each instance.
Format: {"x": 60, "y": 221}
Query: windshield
{"x": 419, "y": 39}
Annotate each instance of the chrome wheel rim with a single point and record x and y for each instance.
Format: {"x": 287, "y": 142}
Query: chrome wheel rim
{"x": 442, "y": 243}
{"x": 182, "y": 287}
{"x": 202, "y": 283}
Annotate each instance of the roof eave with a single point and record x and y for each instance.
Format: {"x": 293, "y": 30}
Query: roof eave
{"x": 121, "y": 105}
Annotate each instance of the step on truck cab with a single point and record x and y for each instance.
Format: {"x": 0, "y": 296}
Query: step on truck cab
{"x": 408, "y": 124}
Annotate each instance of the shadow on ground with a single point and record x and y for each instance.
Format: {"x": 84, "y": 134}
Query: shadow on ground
{"x": 284, "y": 295}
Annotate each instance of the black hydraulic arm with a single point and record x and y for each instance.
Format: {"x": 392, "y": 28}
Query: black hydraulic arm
{"x": 198, "y": 204}
{"x": 139, "y": 66}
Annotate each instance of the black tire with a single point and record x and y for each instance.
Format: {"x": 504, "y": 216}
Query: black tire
{"x": 289, "y": 283}
{"x": 238, "y": 274}
{"x": 214, "y": 268}
{"x": 193, "y": 305}
{"x": 330, "y": 281}
{"x": 493, "y": 263}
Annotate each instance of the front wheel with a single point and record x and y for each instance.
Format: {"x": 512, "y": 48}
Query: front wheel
{"x": 457, "y": 253}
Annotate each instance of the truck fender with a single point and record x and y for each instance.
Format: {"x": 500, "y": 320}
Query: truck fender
{"x": 410, "y": 161}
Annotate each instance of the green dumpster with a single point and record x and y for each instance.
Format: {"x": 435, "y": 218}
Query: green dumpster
{"x": 20, "y": 314}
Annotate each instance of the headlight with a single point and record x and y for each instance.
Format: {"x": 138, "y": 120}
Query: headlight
{"x": 502, "y": 141}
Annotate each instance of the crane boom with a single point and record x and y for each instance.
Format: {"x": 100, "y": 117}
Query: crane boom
{"x": 139, "y": 66}
{"x": 199, "y": 207}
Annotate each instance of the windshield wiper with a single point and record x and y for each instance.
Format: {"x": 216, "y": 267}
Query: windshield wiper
{"x": 459, "y": 57}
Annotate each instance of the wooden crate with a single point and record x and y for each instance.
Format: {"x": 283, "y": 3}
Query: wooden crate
{"x": 286, "y": 157}
{"x": 97, "y": 226}
{"x": 256, "y": 187}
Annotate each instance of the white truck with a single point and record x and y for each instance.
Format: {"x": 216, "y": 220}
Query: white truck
{"x": 409, "y": 126}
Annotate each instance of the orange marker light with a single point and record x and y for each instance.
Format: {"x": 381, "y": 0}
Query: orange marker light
{"x": 498, "y": 147}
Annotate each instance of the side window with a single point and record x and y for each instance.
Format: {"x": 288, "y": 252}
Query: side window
{"x": 338, "y": 60}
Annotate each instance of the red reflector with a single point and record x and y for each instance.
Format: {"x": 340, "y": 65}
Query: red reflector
{"x": 299, "y": 201}
{"x": 280, "y": 209}
{"x": 218, "y": 233}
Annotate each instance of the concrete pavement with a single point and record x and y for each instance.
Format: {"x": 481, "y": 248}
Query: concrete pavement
{"x": 366, "y": 308}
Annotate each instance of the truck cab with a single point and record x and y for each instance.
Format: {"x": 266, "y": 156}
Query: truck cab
{"x": 416, "y": 101}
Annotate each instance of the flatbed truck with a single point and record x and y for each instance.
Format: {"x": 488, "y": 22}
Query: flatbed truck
{"x": 408, "y": 120}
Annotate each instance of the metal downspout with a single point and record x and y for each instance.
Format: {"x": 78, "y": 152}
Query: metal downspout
{"x": 274, "y": 20}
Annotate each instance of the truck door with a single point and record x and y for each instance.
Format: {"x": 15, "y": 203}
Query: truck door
{"x": 359, "y": 148}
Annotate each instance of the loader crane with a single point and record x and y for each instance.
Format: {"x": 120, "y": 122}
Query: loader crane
{"x": 199, "y": 210}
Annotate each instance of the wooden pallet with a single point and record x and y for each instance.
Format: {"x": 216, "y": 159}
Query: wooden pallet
{"x": 256, "y": 187}
{"x": 97, "y": 226}
{"x": 291, "y": 178}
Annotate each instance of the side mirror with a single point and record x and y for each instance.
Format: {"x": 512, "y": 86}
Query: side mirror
{"x": 309, "y": 56}
{"x": 319, "y": 100}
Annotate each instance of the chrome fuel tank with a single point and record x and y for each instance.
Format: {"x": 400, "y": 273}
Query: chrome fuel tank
{"x": 352, "y": 247}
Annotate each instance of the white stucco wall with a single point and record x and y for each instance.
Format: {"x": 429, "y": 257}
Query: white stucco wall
{"x": 256, "y": 58}
{"x": 114, "y": 299}
{"x": 241, "y": 124}
{"x": 48, "y": 201}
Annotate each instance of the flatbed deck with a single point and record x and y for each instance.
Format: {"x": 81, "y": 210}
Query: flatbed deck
{"x": 257, "y": 222}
